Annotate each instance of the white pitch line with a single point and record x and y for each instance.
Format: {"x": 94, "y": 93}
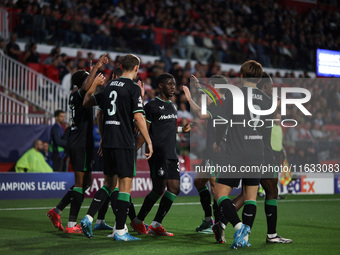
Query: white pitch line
{"x": 190, "y": 203}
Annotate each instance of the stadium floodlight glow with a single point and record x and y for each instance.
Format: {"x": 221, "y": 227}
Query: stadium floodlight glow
{"x": 238, "y": 100}
{"x": 327, "y": 63}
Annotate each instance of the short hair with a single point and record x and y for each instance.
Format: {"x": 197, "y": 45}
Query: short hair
{"x": 35, "y": 142}
{"x": 265, "y": 79}
{"x": 218, "y": 79}
{"x": 163, "y": 77}
{"x": 79, "y": 77}
{"x": 129, "y": 62}
{"x": 252, "y": 71}
{"x": 57, "y": 113}
{"x": 118, "y": 72}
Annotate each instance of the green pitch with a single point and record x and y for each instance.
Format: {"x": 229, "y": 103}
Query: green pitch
{"x": 312, "y": 221}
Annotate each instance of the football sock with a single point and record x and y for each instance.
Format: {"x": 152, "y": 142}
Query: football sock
{"x": 98, "y": 221}
{"x": 103, "y": 209}
{"x": 217, "y": 212}
{"x": 205, "y": 199}
{"x": 71, "y": 224}
{"x": 229, "y": 210}
{"x": 270, "y": 209}
{"x": 132, "y": 211}
{"x": 64, "y": 201}
{"x": 98, "y": 200}
{"x": 164, "y": 206}
{"x": 156, "y": 224}
{"x": 249, "y": 212}
{"x": 148, "y": 203}
{"x": 123, "y": 203}
{"x": 78, "y": 197}
{"x": 113, "y": 197}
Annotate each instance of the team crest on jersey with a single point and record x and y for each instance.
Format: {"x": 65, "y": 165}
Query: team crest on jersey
{"x": 160, "y": 172}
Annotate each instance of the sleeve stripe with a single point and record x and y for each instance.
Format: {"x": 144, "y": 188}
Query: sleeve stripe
{"x": 94, "y": 99}
{"x": 210, "y": 114}
{"x": 79, "y": 93}
{"x": 138, "y": 111}
{"x": 148, "y": 120}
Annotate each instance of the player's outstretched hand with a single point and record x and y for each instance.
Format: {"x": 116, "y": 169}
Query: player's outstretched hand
{"x": 141, "y": 85}
{"x": 216, "y": 148}
{"x": 196, "y": 81}
{"x": 99, "y": 80}
{"x": 100, "y": 151}
{"x": 188, "y": 126}
{"x": 187, "y": 93}
{"x": 150, "y": 149}
{"x": 103, "y": 60}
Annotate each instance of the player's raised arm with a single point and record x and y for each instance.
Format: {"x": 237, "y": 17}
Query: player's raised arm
{"x": 194, "y": 106}
{"x": 93, "y": 70}
{"x": 88, "y": 99}
{"x": 141, "y": 124}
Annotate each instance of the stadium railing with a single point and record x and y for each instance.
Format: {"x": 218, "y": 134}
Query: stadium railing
{"x": 15, "y": 112}
{"x": 32, "y": 86}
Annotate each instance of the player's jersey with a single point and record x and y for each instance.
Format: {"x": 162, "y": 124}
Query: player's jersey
{"x": 163, "y": 118}
{"x": 213, "y": 110}
{"x": 119, "y": 101}
{"x": 81, "y": 132}
{"x": 266, "y": 132}
{"x": 244, "y": 143}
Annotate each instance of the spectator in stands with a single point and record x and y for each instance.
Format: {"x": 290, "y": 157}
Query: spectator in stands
{"x": 66, "y": 69}
{"x": 33, "y": 161}
{"x": 31, "y": 55}
{"x": 66, "y": 83}
{"x": 167, "y": 60}
{"x": 53, "y": 54}
{"x": 277, "y": 141}
{"x": 12, "y": 48}
{"x": 52, "y": 71}
{"x": 58, "y": 142}
{"x": 183, "y": 113}
{"x": 47, "y": 153}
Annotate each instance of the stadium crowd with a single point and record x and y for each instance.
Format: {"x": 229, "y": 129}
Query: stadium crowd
{"x": 274, "y": 38}
{"x": 225, "y": 31}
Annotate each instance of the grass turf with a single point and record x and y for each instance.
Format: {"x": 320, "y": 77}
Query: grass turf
{"x": 312, "y": 221}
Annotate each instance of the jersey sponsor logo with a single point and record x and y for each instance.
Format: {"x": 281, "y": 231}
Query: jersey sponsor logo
{"x": 167, "y": 117}
{"x": 186, "y": 183}
{"x": 161, "y": 107}
{"x": 112, "y": 122}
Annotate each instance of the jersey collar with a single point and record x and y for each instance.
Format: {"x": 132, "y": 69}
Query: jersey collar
{"x": 163, "y": 100}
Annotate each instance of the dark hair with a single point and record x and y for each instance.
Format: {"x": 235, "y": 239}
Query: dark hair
{"x": 79, "y": 77}
{"x": 218, "y": 79}
{"x": 35, "y": 142}
{"x": 57, "y": 112}
{"x": 251, "y": 71}
{"x": 163, "y": 77}
{"x": 129, "y": 62}
{"x": 118, "y": 72}
{"x": 265, "y": 79}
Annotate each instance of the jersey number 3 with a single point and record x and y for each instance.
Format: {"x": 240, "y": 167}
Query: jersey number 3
{"x": 113, "y": 96}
